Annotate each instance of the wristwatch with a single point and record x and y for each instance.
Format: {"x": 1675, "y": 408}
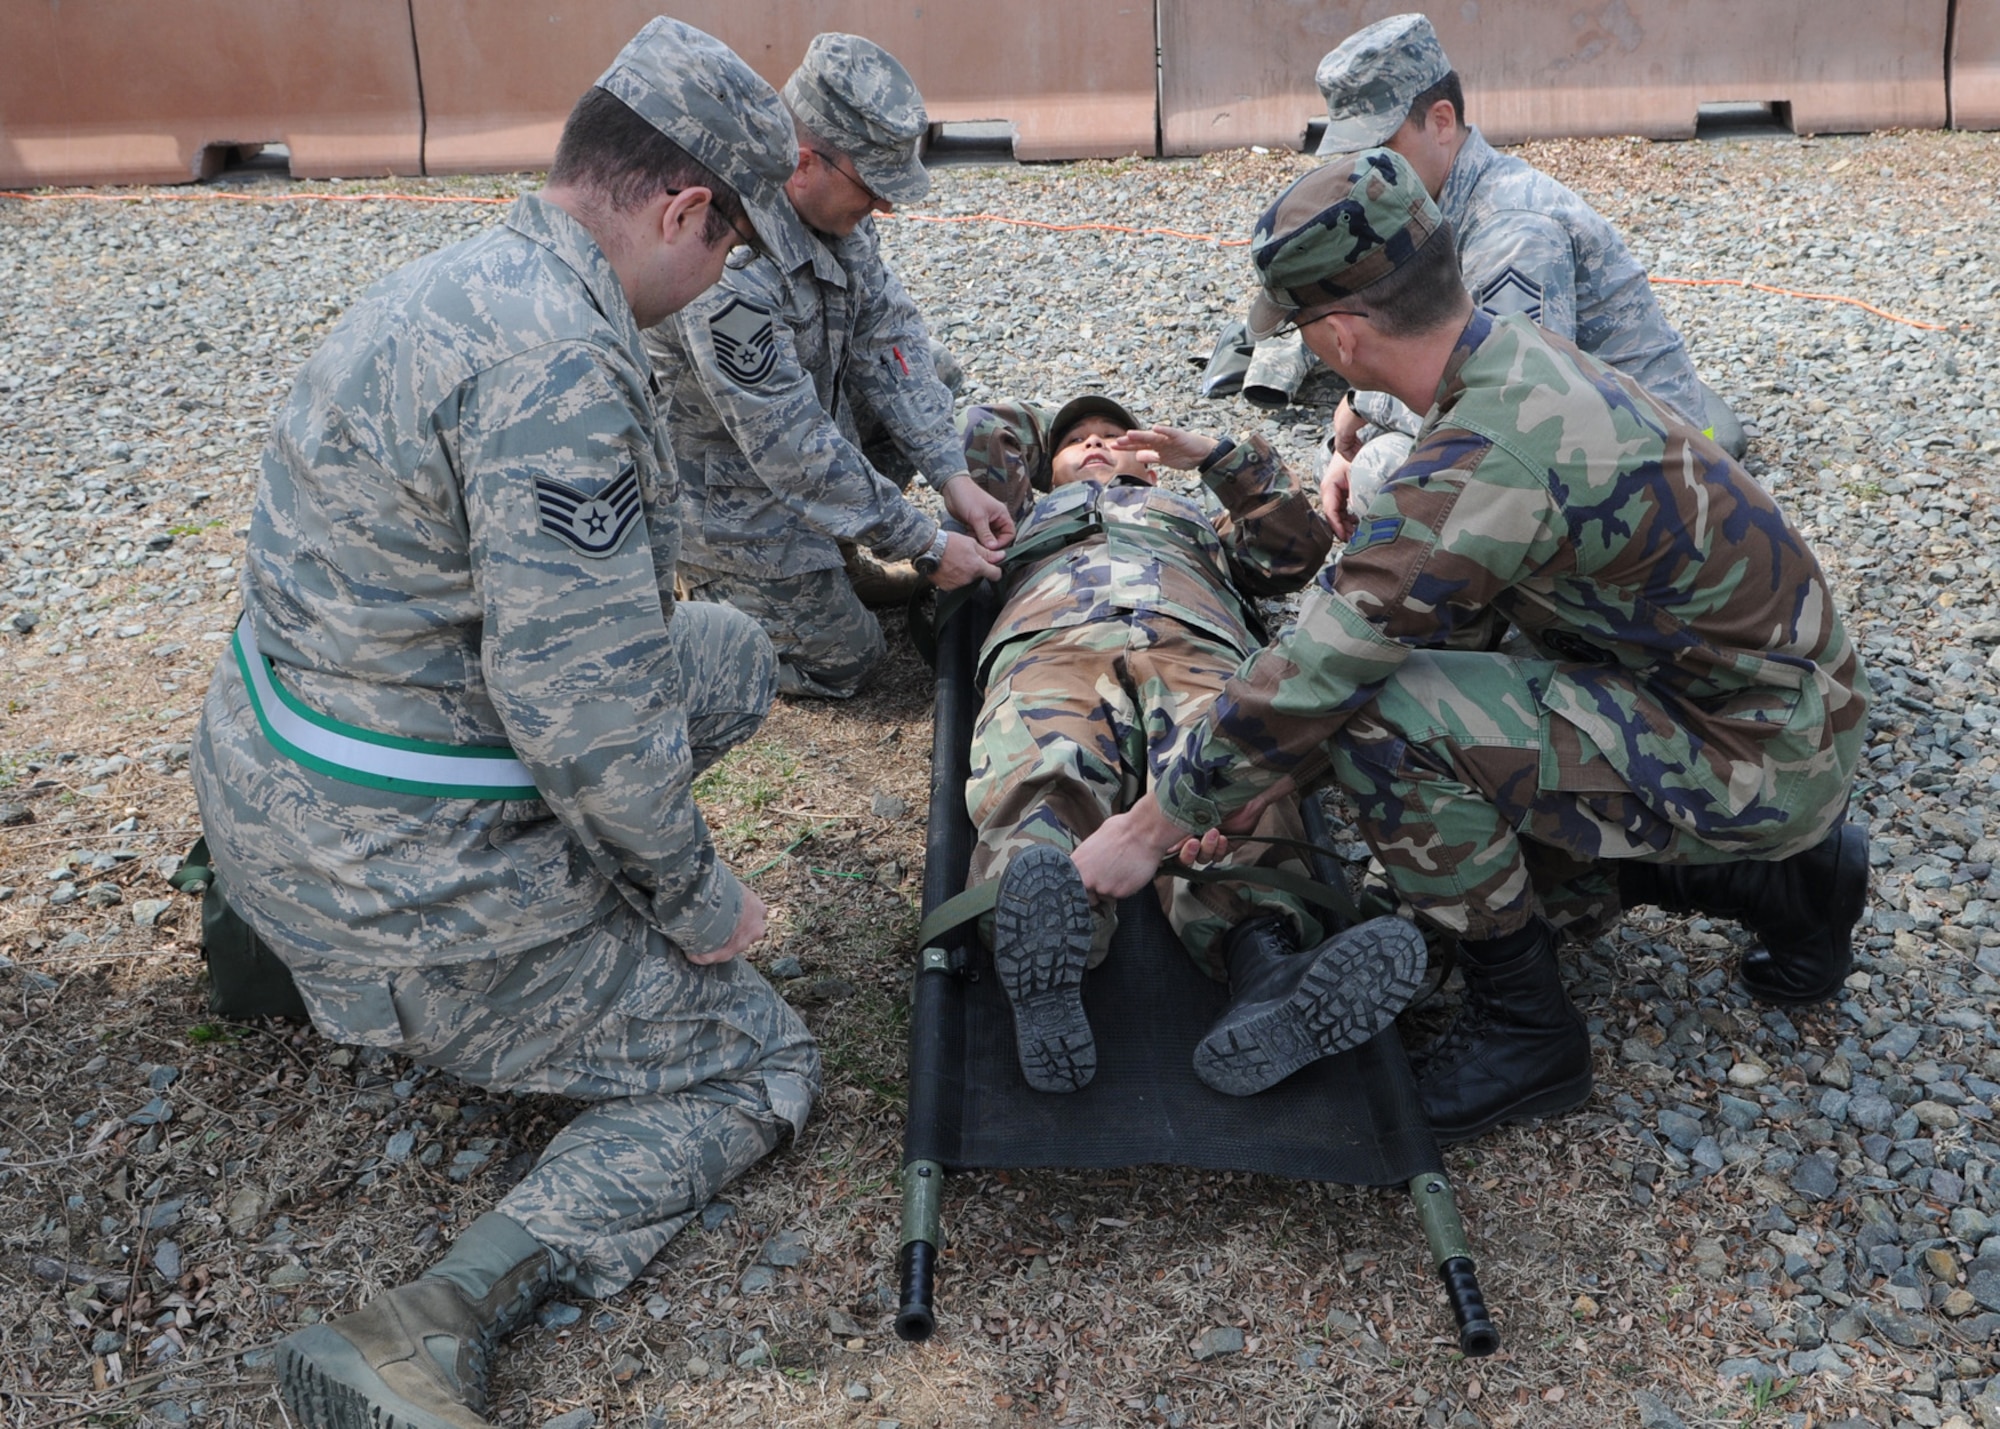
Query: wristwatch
{"x": 927, "y": 564}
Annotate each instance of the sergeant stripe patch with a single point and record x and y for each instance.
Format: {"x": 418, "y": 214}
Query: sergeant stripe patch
{"x": 746, "y": 347}
{"x": 1379, "y": 532}
{"x": 594, "y": 524}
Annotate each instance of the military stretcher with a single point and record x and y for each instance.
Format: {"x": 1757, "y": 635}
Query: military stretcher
{"x": 1354, "y": 1119}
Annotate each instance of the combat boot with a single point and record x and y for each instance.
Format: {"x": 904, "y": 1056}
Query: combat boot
{"x": 1041, "y": 946}
{"x": 879, "y": 586}
{"x": 1288, "y": 1008}
{"x": 418, "y": 1357}
{"x": 1517, "y": 1048}
{"x": 1803, "y": 909}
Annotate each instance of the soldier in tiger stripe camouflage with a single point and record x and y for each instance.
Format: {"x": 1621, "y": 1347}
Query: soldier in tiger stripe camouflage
{"x": 770, "y": 381}
{"x": 446, "y": 768}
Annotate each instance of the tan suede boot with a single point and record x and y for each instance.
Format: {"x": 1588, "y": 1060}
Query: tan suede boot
{"x": 879, "y": 585}
{"x": 418, "y": 1357}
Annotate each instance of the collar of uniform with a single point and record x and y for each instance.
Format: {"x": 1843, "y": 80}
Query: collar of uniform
{"x": 1477, "y": 330}
{"x": 539, "y": 221}
{"x": 793, "y": 245}
{"x": 1475, "y": 156}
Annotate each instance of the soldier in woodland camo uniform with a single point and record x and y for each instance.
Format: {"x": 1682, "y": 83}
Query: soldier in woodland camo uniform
{"x": 770, "y": 378}
{"x": 446, "y": 768}
{"x": 1126, "y": 608}
{"x": 1527, "y": 244}
{"x": 1686, "y": 734}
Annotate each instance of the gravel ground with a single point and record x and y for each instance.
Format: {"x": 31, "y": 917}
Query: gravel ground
{"x": 1822, "y": 1186}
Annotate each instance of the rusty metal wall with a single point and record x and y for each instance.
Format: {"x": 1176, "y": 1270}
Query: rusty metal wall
{"x": 1075, "y": 77}
{"x": 1243, "y": 73}
{"x": 126, "y": 91}
{"x": 1975, "y": 65}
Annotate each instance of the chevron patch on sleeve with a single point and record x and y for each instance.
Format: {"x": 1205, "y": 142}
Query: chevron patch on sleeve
{"x": 746, "y": 346}
{"x": 594, "y": 524}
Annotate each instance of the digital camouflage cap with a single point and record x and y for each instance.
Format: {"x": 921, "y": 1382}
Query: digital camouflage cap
{"x": 853, "y": 94}
{"x": 1371, "y": 79}
{"x": 1347, "y": 224}
{"x": 696, "y": 91}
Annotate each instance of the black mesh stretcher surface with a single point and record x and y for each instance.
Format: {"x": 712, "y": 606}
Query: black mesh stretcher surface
{"x": 1354, "y": 1119}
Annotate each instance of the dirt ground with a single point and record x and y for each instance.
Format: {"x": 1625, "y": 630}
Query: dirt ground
{"x": 176, "y": 1192}
{"x": 179, "y": 1192}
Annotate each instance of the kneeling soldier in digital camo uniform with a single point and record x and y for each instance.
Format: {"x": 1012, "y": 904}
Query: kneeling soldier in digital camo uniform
{"x": 1126, "y": 611}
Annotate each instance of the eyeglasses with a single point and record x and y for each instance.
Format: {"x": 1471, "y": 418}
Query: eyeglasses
{"x": 1296, "y": 321}
{"x": 833, "y": 161}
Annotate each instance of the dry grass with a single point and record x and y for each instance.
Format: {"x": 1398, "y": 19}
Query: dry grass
{"x": 1064, "y": 1297}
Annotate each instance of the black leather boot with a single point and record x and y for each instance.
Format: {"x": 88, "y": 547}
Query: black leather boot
{"x": 1041, "y": 946}
{"x": 1803, "y": 910}
{"x": 1289, "y": 1008}
{"x": 1517, "y": 1049}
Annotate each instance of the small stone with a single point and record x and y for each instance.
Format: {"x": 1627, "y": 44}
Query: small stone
{"x": 1935, "y": 1115}
{"x": 11, "y": 814}
{"x": 757, "y": 1280}
{"x": 1220, "y": 1341}
{"x": 716, "y": 1213}
{"x": 842, "y": 1325}
{"x": 576, "y": 1418}
{"x": 154, "y": 1113}
{"x": 400, "y": 1145}
{"x": 147, "y": 911}
{"x": 856, "y": 1391}
{"x": 558, "y": 1315}
{"x": 244, "y": 1210}
{"x": 697, "y": 1367}
{"x": 785, "y": 969}
{"x": 888, "y": 806}
{"x": 1748, "y": 1074}
{"x": 1982, "y": 1278}
{"x": 1817, "y": 1176}
{"x": 1755, "y": 1371}
{"x": 1654, "y": 1413}
{"x": 1904, "y": 1331}
{"x": 786, "y": 1249}
{"x": 167, "y": 1260}
{"x": 1959, "y": 1303}
{"x": 757, "y": 1354}
{"x": 289, "y": 1274}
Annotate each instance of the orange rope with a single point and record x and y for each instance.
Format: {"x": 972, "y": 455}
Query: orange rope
{"x": 1212, "y": 238}
{"x": 1796, "y": 293}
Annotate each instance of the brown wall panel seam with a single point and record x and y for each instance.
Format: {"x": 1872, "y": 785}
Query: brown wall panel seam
{"x": 423, "y": 113}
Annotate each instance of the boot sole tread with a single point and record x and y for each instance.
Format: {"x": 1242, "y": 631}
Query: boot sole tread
{"x": 1041, "y": 946}
{"x": 1360, "y": 979}
{"x": 320, "y": 1398}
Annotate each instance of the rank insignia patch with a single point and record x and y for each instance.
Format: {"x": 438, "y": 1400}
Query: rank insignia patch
{"x": 1513, "y": 292}
{"x": 746, "y": 348}
{"x": 1379, "y": 532}
{"x": 594, "y": 524}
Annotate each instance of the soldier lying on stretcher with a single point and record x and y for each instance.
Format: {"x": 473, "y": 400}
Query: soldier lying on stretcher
{"x": 1127, "y": 606}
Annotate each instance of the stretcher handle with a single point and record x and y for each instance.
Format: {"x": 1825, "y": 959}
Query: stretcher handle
{"x": 1437, "y": 1213}
{"x": 918, "y": 1273}
{"x": 1476, "y": 1335}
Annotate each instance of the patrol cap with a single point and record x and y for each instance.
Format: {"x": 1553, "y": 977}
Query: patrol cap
{"x": 1349, "y": 223}
{"x": 693, "y": 89}
{"x": 852, "y": 93}
{"x": 1093, "y": 404}
{"x": 1372, "y": 77}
